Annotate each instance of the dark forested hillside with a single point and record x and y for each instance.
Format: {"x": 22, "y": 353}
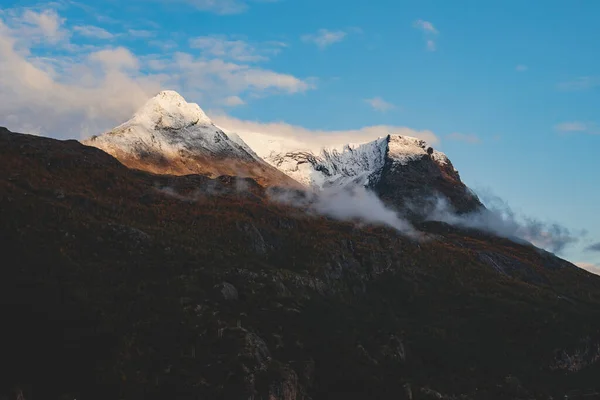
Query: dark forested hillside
{"x": 120, "y": 284}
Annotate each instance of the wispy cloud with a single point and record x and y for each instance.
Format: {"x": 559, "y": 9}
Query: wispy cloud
{"x": 93, "y": 32}
{"x": 500, "y": 219}
{"x": 521, "y": 68}
{"x": 594, "y": 247}
{"x": 324, "y": 38}
{"x": 425, "y": 26}
{"x": 462, "y": 137}
{"x": 233, "y": 101}
{"x": 577, "y": 127}
{"x": 580, "y": 84}
{"x": 141, "y": 33}
{"x": 429, "y": 32}
{"x": 224, "y": 7}
{"x": 431, "y": 46}
{"x": 235, "y": 48}
{"x": 380, "y": 104}
{"x": 29, "y": 26}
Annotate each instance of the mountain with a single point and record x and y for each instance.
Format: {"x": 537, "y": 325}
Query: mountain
{"x": 403, "y": 171}
{"x": 169, "y": 135}
{"x": 117, "y": 283}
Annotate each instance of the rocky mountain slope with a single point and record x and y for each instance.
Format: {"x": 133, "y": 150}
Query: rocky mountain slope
{"x": 169, "y": 135}
{"x": 121, "y": 284}
{"x": 400, "y": 169}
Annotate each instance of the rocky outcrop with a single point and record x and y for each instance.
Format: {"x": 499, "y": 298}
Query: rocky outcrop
{"x": 415, "y": 186}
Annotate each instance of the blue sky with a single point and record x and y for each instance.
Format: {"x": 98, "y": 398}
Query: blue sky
{"x": 510, "y": 89}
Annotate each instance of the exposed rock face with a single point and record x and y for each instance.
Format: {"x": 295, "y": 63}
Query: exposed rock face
{"x": 416, "y": 183}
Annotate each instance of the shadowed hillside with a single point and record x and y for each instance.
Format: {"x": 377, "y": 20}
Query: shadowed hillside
{"x": 121, "y": 284}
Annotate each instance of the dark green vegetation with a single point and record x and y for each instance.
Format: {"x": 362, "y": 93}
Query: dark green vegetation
{"x": 112, "y": 287}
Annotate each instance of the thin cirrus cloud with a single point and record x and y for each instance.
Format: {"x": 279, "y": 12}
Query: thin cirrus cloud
{"x": 521, "y": 68}
{"x": 324, "y": 38}
{"x": 379, "y": 104}
{"x": 462, "y": 137}
{"x": 577, "y": 127}
{"x": 429, "y": 32}
{"x": 95, "y": 32}
{"x": 224, "y": 7}
{"x": 581, "y": 83}
{"x": 235, "y": 48}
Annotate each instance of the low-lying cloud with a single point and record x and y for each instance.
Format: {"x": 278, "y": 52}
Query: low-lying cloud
{"x": 499, "y": 219}
{"x": 348, "y": 203}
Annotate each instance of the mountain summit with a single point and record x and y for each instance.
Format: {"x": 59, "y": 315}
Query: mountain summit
{"x": 404, "y": 171}
{"x": 171, "y": 136}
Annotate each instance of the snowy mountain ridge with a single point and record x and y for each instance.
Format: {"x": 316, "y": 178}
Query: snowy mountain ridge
{"x": 170, "y": 136}
{"x": 357, "y": 163}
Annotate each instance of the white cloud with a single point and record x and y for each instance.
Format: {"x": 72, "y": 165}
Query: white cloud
{"x": 233, "y": 101}
{"x": 380, "y": 105}
{"x": 317, "y": 138}
{"x": 48, "y": 22}
{"x": 89, "y": 89}
{"x": 30, "y": 27}
{"x": 425, "y": 26}
{"x": 234, "y": 49}
{"x": 117, "y": 58}
{"x": 593, "y": 268}
{"x": 93, "y": 32}
{"x": 521, "y": 68}
{"x": 462, "y": 137}
{"x": 324, "y": 38}
{"x": 429, "y": 31}
{"x": 217, "y": 76}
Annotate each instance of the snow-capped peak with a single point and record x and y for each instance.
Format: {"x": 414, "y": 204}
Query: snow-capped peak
{"x": 169, "y": 127}
{"x": 357, "y": 163}
{"x": 169, "y": 110}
